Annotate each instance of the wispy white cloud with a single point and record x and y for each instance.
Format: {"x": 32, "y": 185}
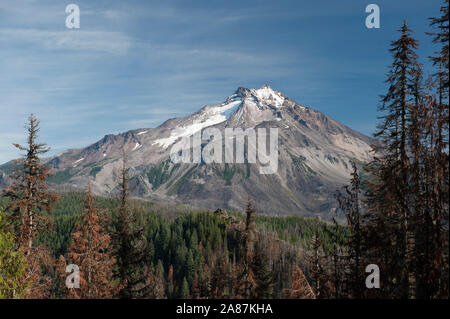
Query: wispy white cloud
{"x": 73, "y": 40}
{"x": 134, "y": 64}
{"x": 114, "y": 75}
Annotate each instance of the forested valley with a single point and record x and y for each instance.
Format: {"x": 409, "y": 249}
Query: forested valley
{"x": 395, "y": 220}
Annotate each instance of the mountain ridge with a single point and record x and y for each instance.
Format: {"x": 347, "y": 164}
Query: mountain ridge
{"x": 314, "y": 157}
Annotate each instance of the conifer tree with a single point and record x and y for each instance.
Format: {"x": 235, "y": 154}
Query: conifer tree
{"x": 157, "y": 290}
{"x": 132, "y": 245}
{"x": 350, "y": 204}
{"x": 170, "y": 283}
{"x": 254, "y": 277}
{"x": 29, "y": 196}
{"x": 196, "y": 293}
{"x": 12, "y": 263}
{"x": 207, "y": 283}
{"x": 434, "y": 240}
{"x": 388, "y": 195}
{"x": 184, "y": 291}
{"x": 441, "y": 37}
{"x": 316, "y": 260}
{"x": 338, "y": 259}
{"x": 29, "y": 206}
{"x": 245, "y": 278}
{"x": 91, "y": 252}
{"x": 300, "y": 287}
{"x": 220, "y": 276}
{"x": 263, "y": 276}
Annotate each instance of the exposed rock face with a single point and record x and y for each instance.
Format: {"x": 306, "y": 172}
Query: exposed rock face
{"x": 313, "y": 160}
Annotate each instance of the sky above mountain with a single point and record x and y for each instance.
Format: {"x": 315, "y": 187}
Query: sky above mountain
{"x": 134, "y": 64}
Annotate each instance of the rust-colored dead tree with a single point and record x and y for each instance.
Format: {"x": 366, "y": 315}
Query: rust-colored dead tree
{"x": 300, "y": 287}
{"x": 29, "y": 206}
{"x": 90, "y": 251}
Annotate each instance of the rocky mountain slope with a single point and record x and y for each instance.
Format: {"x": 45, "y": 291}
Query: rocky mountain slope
{"x": 314, "y": 153}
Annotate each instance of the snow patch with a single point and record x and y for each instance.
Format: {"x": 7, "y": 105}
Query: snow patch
{"x": 266, "y": 93}
{"x": 136, "y": 147}
{"x": 210, "y": 116}
{"x": 140, "y": 133}
{"x": 77, "y": 161}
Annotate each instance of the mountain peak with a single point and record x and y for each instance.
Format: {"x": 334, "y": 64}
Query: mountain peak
{"x": 265, "y": 95}
{"x": 314, "y": 155}
{"x": 265, "y": 86}
{"x": 269, "y": 96}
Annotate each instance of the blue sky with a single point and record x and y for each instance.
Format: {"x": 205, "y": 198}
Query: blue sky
{"x": 134, "y": 64}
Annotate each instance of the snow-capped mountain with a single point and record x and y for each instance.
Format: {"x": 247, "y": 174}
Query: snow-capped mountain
{"x": 313, "y": 161}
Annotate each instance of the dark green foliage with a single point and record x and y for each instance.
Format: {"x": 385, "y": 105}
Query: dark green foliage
{"x": 300, "y": 163}
{"x": 176, "y": 187}
{"x": 184, "y": 292}
{"x": 300, "y": 230}
{"x": 190, "y": 241}
{"x": 161, "y": 173}
{"x": 95, "y": 170}
{"x": 331, "y": 159}
{"x": 263, "y": 276}
{"x": 12, "y": 263}
{"x": 132, "y": 245}
{"x": 60, "y": 177}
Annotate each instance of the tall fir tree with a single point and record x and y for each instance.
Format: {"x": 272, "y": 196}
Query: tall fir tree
{"x": 245, "y": 278}
{"x": 132, "y": 245}
{"x": 440, "y": 37}
{"x": 316, "y": 261}
{"x": 263, "y": 276}
{"x": 220, "y": 276}
{"x": 253, "y": 274}
{"x": 184, "y": 290}
{"x": 30, "y": 198}
{"x": 350, "y": 204}
{"x": 91, "y": 251}
{"x": 388, "y": 195}
{"x": 30, "y": 204}
{"x": 435, "y": 280}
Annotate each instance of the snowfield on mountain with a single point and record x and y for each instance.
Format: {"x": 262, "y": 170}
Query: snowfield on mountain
{"x": 313, "y": 161}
